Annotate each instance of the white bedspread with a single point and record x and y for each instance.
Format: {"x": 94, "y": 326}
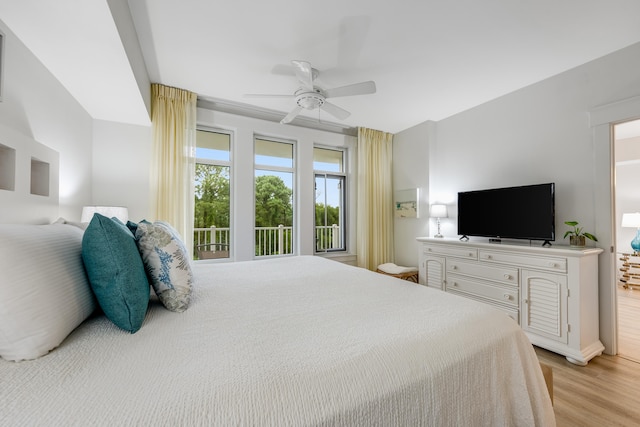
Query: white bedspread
{"x": 289, "y": 341}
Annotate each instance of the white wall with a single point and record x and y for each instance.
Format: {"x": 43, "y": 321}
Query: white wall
{"x": 243, "y": 130}
{"x": 411, "y": 170}
{"x": 37, "y": 107}
{"x": 121, "y": 167}
{"x": 540, "y": 133}
{"x": 537, "y": 134}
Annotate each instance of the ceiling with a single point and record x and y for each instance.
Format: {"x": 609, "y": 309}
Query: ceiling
{"x": 430, "y": 59}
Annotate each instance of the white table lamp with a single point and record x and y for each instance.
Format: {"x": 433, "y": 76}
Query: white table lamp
{"x": 437, "y": 212}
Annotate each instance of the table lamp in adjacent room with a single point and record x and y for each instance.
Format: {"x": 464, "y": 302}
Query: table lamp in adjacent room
{"x": 632, "y": 220}
{"x": 437, "y": 212}
{"x": 120, "y": 212}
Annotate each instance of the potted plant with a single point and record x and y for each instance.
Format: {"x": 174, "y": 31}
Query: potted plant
{"x": 577, "y": 235}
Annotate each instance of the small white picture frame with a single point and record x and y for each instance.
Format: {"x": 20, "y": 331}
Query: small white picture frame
{"x": 406, "y": 203}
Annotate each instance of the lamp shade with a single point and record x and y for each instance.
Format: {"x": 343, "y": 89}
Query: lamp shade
{"x": 631, "y": 220}
{"x": 438, "y": 211}
{"x": 120, "y": 212}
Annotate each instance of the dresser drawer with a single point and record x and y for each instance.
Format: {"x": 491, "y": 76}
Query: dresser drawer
{"x": 496, "y": 273}
{"x": 459, "y": 252}
{"x": 502, "y": 294}
{"x": 512, "y": 312}
{"x": 558, "y": 265}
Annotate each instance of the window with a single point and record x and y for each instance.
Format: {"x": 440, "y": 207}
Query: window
{"x": 212, "y": 211}
{"x": 273, "y": 194}
{"x": 330, "y": 184}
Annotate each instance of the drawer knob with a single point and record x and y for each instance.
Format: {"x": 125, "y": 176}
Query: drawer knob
{"x": 455, "y": 284}
{"x": 489, "y": 257}
{"x": 471, "y": 254}
{"x": 552, "y": 264}
{"x": 454, "y": 267}
{"x": 507, "y": 296}
{"x": 507, "y": 276}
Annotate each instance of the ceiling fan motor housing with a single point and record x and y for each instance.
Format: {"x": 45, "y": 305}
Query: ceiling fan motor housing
{"x": 309, "y": 100}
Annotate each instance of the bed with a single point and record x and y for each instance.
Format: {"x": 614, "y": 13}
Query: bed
{"x": 289, "y": 341}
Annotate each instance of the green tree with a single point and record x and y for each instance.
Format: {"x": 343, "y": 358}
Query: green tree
{"x": 212, "y": 197}
{"x": 273, "y": 202}
{"x": 333, "y": 215}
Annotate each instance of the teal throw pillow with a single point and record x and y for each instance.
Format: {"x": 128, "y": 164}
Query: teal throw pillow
{"x": 116, "y": 273}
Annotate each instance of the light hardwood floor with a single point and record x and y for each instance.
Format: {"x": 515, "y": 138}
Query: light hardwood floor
{"x": 629, "y": 323}
{"x": 606, "y": 392}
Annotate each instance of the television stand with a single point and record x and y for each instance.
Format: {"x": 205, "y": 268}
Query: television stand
{"x": 551, "y": 292}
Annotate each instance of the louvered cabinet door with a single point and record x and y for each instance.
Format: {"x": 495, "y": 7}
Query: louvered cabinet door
{"x": 432, "y": 271}
{"x": 544, "y": 304}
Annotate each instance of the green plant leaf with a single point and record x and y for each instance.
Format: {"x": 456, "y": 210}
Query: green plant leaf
{"x": 590, "y": 236}
{"x": 568, "y": 233}
{"x": 571, "y": 223}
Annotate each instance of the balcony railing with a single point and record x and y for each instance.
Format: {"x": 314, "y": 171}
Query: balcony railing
{"x": 274, "y": 240}
{"x": 328, "y": 237}
{"x": 270, "y": 240}
{"x": 214, "y": 234}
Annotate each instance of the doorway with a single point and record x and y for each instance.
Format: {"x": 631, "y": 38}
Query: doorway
{"x": 627, "y": 203}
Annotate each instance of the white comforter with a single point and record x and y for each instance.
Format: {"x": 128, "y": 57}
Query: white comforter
{"x": 291, "y": 341}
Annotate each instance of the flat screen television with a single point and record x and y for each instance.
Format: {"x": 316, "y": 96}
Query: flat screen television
{"x": 524, "y": 212}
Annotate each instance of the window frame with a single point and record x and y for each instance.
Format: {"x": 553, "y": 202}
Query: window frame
{"x": 345, "y": 189}
{"x": 294, "y": 198}
{"x": 225, "y": 163}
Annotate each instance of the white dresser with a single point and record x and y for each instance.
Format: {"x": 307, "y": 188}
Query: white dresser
{"x": 552, "y": 292}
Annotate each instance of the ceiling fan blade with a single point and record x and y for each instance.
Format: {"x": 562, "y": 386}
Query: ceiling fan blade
{"x": 292, "y": 115}
{"x": 304, "y": 72}
{"x": 265, "y": 95}
{"x": 335, "y": 111}
{"x": 363, "y": 88}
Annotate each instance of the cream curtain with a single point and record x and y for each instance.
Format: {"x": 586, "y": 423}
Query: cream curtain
{"x": 375, "y": 198}
{"x": 173, "y": 117}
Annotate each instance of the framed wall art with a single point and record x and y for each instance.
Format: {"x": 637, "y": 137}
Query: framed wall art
{"x": 406, "y": 203}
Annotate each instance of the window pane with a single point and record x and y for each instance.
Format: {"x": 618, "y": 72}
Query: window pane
{"x": 329, "y": 213}
{"x": 213, "y": 145}
{"x": 274, "y": 212}
{"x": 327, "y": 160}
{"x": 211, "y": 212}
{"x": 212, "y": 205}
{"x": 271, "y": 153}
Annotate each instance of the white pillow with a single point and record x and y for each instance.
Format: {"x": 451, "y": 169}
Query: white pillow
{"x": 44, "y": 291}
{"x": 82, "y": 225}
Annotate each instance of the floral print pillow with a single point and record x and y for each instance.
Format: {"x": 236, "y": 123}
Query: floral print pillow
{"x": 166, "y": 262}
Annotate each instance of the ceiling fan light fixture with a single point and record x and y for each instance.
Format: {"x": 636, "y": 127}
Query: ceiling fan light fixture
{"x": 310, "y": 100}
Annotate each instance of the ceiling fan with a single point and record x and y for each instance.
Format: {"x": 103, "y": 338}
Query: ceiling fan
{"x": 310, "y": 97}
